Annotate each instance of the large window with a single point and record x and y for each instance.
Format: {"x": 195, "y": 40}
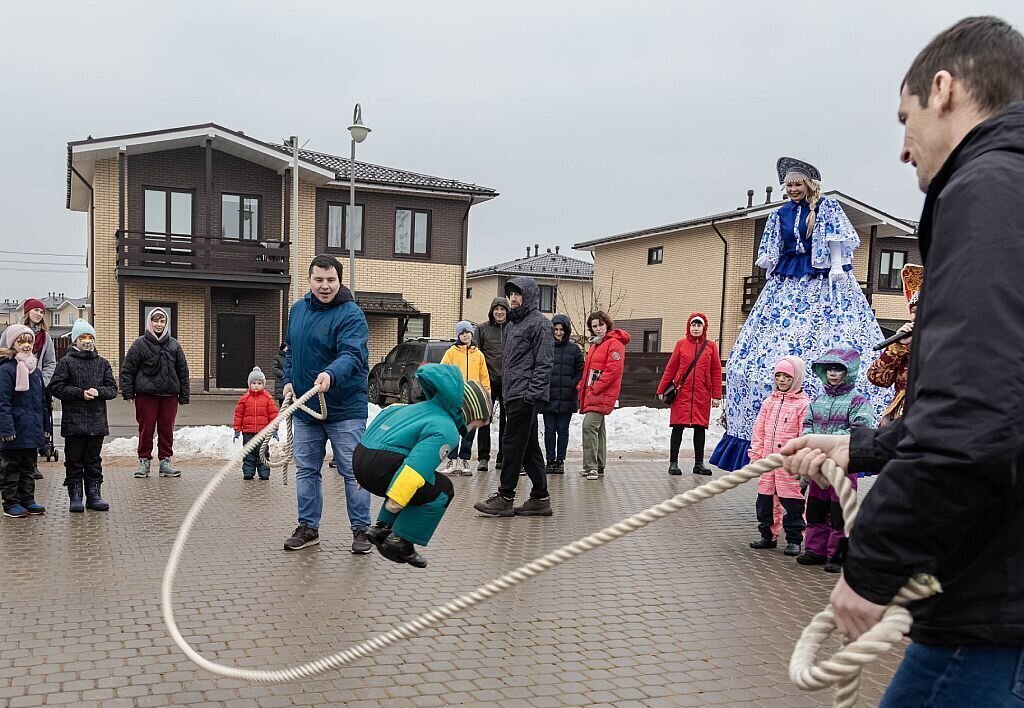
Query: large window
{"x": 239, "y": 216}
{"x": 652, "y": 340}
{"x": 337, "y": 226}
{"x": 56, "y": 319}
{"x": 412, "y": 232}
{"x": 892, "y": 263}
{"x": 548, "y": 298}
{"x": 655, "y": 255}
{"x": 167, "y": 211}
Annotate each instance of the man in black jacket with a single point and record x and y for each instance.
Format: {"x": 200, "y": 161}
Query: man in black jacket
{"x": 950, "y": 496}
{"x": 526, "y": 381}
{"x": 490, "y": 339}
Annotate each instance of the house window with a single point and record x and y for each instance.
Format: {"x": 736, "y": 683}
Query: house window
{"x": 652, "y": 340}
{"x": 469, "y": 293}
{"x": 239, "y": 217}
{"x": 412, "y": 232}
{"x": 337, "y": 226}
{"x": 548, "y": 298}
{"x": 655, "y": 255}
{"x": 892, "y": 263}
{"x": 167, "y": 211}
{"x": 171, "y": 308}
{"x": 56, "y": 319}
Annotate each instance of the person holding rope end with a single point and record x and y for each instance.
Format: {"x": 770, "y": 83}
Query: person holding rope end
{"x": 950, "y": 497}
{"x": 326, "y": 347}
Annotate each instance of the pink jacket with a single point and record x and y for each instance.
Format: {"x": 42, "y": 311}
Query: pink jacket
{"x": 780, "y": 420}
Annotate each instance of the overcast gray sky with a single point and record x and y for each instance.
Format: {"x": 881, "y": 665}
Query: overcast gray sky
{"x": 590, "y": 118}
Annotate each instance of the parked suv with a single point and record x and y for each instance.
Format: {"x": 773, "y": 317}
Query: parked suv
{"x": 395, "y": 376}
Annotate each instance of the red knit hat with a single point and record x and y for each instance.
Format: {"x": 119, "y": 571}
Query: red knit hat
{"x": 32, "y": 303}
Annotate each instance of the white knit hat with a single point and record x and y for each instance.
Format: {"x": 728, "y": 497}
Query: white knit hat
{"x": 256, "y": 375}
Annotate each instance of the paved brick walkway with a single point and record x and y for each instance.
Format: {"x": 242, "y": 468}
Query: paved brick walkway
{"x": 680, "y": 613}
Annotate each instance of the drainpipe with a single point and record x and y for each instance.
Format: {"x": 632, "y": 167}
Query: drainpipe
{"x": 725, "y": 277}
{"x": 465, "y": 247}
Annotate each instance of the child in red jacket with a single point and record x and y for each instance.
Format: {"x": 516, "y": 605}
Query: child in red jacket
{"x": 255, "y": 410}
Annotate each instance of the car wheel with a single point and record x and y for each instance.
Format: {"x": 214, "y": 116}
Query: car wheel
{"x": 373, "y": 393}
{"x": 405, "y": 393}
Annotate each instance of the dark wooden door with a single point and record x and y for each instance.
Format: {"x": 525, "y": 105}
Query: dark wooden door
{"x": 236, "y": 350}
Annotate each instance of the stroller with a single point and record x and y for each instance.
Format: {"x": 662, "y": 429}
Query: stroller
{"x": 50, "y": 452}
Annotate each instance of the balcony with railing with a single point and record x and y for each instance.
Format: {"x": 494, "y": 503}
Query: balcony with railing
{"x": 754, "y": 284}
{"x": 201, "y": 257}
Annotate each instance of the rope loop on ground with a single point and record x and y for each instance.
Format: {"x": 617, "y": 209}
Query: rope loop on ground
{"x": 842, "y": 670}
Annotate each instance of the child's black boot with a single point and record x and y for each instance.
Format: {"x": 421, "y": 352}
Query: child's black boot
{"x": 75, "y": 505}
{"x": 93, "y": 500}
{"x": 401, "y": 551}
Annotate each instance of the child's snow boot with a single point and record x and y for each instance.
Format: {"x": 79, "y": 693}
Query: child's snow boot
{"x": 93, "y": 500}
{"x": 75, "y": 505}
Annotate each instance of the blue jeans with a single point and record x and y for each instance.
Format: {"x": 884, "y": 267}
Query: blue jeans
{"x": 309, "y": 443}
{"x": 556, "y": 435}
{"x": 465, "y": 449}
{"x": 954, "y": 676}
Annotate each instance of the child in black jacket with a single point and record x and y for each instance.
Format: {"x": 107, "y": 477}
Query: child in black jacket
{"x": 84, "y": 382}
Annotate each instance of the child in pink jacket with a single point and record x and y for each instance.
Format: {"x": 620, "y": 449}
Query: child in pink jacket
{"x": 781, "y": 419}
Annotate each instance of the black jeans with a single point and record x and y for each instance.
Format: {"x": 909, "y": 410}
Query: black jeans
{"x": 792, "y": 520}
{"x": 556, "y": 435}
{"x": 16, "y": 483}
{"x": 483, "y": 449}
{"x": 677, "y": 439}
{"x": 82, "y": 458}
{"x": 522, "y": 450}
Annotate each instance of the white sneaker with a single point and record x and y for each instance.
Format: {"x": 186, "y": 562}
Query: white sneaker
{"x": 592, "y": 474}
{"x": 464, "y": 468}
{"x": 447, "y": 467}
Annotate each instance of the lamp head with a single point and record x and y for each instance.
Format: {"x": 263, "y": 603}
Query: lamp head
{"x": 357, "y": 129}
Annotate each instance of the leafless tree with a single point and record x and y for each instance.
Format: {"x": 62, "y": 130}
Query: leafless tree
{"x": 579, "y": 306}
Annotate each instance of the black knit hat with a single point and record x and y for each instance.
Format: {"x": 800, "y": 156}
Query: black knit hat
{"x": 476, "y": 402}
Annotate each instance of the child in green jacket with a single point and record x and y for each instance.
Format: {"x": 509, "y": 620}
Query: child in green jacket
{"x": 400, "y": 450}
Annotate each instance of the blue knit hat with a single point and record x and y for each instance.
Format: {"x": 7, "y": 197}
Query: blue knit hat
{"x": 79, "y": 328}
{"x": 464, "y": 326}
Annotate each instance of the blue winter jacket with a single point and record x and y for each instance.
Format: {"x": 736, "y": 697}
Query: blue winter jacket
{"x": 22, "y": 413}
{"x": 329, "y": 337}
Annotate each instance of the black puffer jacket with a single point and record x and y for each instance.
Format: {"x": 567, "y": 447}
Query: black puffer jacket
{"x": 76, "y": 372}
{"x": 490, "y": 339}
{"x": 155, "y": 366}
{"x": 566, "y": 371}
{"x": 526, "y": 372}
{"x": 278, "y": 367}
{"x": 949, "y": 499}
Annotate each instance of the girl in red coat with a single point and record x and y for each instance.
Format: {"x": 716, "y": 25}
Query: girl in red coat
{"x": 599, "y": 388}
{"x": 696, "y": 371}
{"x": 255, "y": 410}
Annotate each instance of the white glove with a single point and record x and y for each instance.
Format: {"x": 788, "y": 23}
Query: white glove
{"x": 836, "y": 272}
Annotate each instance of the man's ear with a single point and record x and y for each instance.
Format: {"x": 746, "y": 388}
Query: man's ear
{"x": 941, "y": 92}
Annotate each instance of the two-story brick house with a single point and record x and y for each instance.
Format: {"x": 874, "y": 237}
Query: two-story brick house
{"x": 663, "y": 273}
{"x": 566, "y": 284}
{"x": 198, "y": 220}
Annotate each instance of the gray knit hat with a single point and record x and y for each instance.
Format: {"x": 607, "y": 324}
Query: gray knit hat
{"x": 256, "y": 375}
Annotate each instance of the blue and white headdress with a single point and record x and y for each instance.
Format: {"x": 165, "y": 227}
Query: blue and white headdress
{"x": 790, "y": 167}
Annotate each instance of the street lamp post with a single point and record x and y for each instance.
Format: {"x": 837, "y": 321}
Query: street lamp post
{"x": 359, "y": 133}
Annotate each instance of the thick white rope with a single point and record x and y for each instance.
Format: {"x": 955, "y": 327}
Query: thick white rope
{"x": 843, "y": 669}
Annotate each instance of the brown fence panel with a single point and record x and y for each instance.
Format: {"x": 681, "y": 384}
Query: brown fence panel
{"x": 641, "y": 376}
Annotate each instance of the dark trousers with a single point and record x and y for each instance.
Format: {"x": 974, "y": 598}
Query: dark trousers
{"x": 82, "y": 458}
{"x": 252, "y": 462}
{"x": 483, "y": 446}
{"x": 556, "y": 435}
{"x": 155, "y": 414}
{"x": 465, "y": 449}
{"x": 16, "y": 483}
{"x": 522, "y": 450}
{"x": 677, "y": 438}
{"x": 792, "y": 521}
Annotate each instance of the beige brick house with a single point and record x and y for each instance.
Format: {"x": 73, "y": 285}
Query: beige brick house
{"x": 706, "y": 264}
{"x": 198, "y": 220}
{"x": 566, "y": 284}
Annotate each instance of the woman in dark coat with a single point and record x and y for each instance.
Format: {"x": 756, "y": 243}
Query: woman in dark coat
{"x": 566, "y": 372}
{"x": 155, "y": 375}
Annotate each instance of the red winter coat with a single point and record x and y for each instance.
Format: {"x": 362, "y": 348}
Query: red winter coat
{"x": 254, "y": 411}
{"x": 692, "y": 405}
{"x": 602, "y": 373}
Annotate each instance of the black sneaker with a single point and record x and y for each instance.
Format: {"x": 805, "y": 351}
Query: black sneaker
{"x": 377, "y": 534}
{"x": 399, "y": 550}
{"x": 763, "y": 543}
{"x": 700, "y": 469}
{"x": 792, "y": 549}
{"x": 535, "y": 507}
{"x": 482, "y": 464}
{"x": 811, "y": 559}
{"x": 557, "y": 468}
{"x": 833, "y": 567}
{"x": 495, "y": 505}
{"x": 359, "y": 543}
{"x": 302, "y": 537}
{"x": 673, "y": 468}
{"x": 36, "y": 474}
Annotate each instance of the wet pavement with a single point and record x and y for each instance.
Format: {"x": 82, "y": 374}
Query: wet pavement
{"x": 680, "y": 613}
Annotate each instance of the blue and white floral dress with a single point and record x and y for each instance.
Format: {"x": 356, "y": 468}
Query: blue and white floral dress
{"x": 800, "y": 311}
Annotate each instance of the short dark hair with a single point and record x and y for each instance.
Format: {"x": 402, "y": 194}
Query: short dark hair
{"x": 600, "y": 315}
{"x": 985, "y": 53}
{"x": 326, "y": 262}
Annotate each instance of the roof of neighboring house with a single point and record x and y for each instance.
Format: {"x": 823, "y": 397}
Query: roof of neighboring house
{"x": 52, "y": 302}
{"x": 544, "y": 265}
{"x": 318, "y": 167}
{"x": 901, "y": 226}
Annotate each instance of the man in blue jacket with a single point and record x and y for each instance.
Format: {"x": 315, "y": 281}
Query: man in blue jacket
{"x": 327, "y": 347}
